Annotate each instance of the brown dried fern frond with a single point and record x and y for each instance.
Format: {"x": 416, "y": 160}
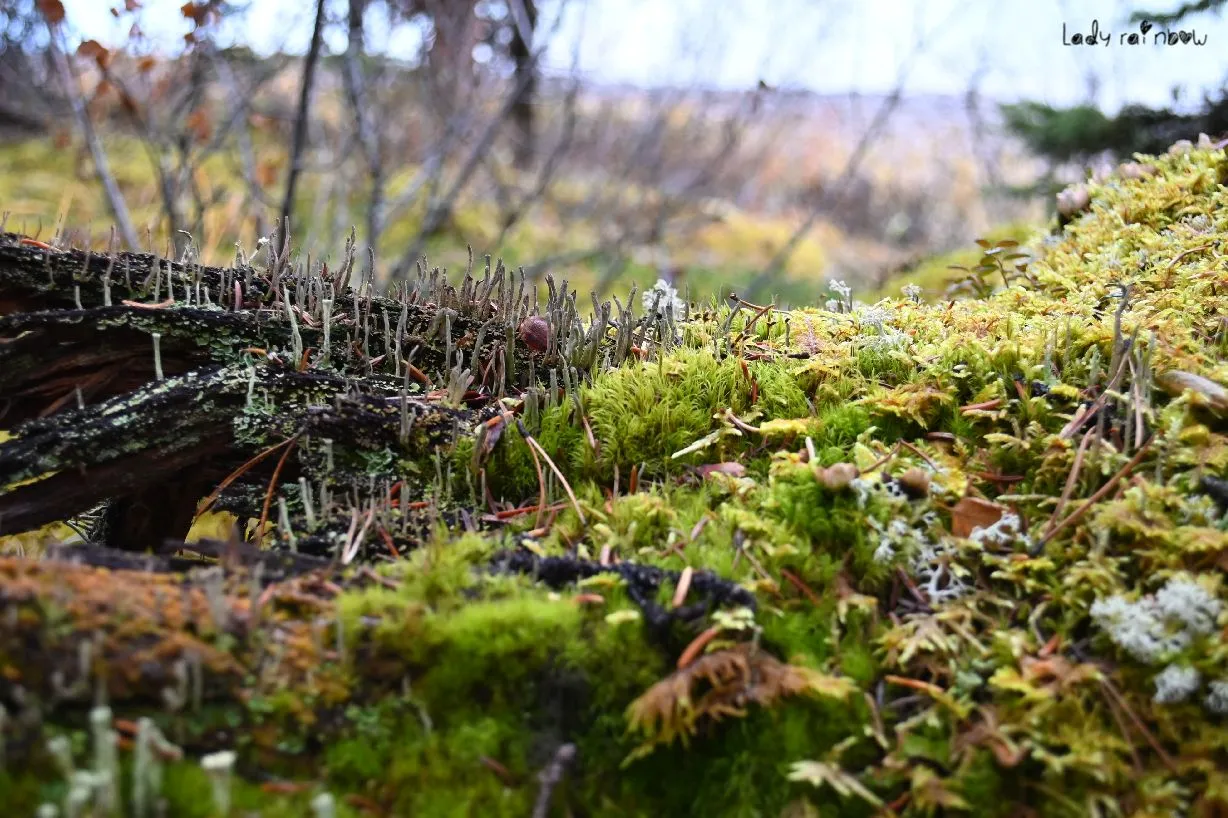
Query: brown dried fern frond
{"x": 720, "y": 685}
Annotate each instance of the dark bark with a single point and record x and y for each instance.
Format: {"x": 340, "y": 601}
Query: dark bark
{"x": 52, "y": 360}
{"x": 156, "y": 451}
{"x": 148, "y": 491}
{"x": 161, "y": 510}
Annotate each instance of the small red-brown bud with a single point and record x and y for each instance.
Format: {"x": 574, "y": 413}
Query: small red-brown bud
{"x": 535, "y": 333}
{"x": 835, "y": 477}
{"x": 914, "y": 482}
{"x": 1134, "y": 170}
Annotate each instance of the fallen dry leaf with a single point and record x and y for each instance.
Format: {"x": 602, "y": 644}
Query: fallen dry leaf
{"x": 731, "y": 469}
{"x": 971, "y": 513}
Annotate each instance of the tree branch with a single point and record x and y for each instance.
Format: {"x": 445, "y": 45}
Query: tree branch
{"x": 115, "y": 197}
{"x": 368, "y": 134}
{"x": 439, "y": 212}
{"x": 304, "y": 111}
{"x": 833, "y": 194}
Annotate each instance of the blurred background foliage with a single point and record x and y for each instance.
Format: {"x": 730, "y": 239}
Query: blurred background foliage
{"x": 434, "y": 126}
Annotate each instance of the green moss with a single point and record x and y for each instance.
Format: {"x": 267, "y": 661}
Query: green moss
{"x": 887, "y": 366}
{"x": 741, "y": 770}
{"x": 839, "y": 427}
{"x": 644, "y": 412}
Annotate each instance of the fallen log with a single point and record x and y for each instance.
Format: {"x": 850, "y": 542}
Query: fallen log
{"x": 144, "y": 382}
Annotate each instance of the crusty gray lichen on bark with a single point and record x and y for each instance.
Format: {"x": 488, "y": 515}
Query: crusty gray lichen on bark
{"x": 146, "y": 383}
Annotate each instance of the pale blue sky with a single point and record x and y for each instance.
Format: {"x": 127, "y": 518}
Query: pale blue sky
{"x": 824, "y": 45}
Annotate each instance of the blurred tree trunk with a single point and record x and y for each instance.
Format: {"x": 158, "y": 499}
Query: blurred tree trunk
{"x": 450, "y": 57}
{"x": 365, "y": 122}
{"x": 300, "y": 122}
{"x": 525, "y": 80}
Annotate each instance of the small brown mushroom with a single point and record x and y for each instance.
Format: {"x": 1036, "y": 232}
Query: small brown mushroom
{"x": 1071, "y": 202}
{"x": 1136, "y": 170}
{"x": 837, "y": 476}
{"x": 915, "y": 483}
{"x": 535, "y": 333}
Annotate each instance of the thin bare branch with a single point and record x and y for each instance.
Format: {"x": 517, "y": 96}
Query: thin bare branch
{"x": 832, "y": 194}
{"x": 115, "y": 197}
{"x": 304, "y": 112}
{"x": 364, "y": 124}
{"x": 439, "y": 212}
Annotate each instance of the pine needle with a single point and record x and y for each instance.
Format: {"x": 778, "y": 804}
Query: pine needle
{"x": 237, "y": 473}
{"x": 533, "y": 444}
{"x": 268, "y": 496}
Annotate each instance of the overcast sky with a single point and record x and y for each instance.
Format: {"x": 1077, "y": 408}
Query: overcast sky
{"x": 1014, "y": 47}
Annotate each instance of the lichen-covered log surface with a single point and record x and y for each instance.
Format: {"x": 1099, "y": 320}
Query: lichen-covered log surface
{"x": 501, "y": 553}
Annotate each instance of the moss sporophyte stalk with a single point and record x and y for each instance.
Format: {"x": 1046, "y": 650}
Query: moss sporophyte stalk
{"x": 476, "y": 547}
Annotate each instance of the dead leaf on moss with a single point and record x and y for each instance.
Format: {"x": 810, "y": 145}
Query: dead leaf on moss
{"x": 719, "y": 685}
{"x": 971, "y": 513}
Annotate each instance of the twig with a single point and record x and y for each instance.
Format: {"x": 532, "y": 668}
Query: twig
{"x": 566, "y": 486}
{"x": 268, "y": 496}
{"x": 354, "y": 542}
{"x": 239, "y": 472}
{"x": 548, "y": 170}
{"x": 983, "y": 406}
{"x": 368, "y": 135}
{"x": 1177, "y": 259}
{"x": 1095, "y": 498}
{"x": 115, "y": 198}
{"x": 541, "y": 481}
{"x": 509, "y": 513}
{"x": 247, "y": 155}
{"x": 894, "y": 451}
{"x": 1142, "y": 728}
{"x": 438, "y": 213}
{"x": 692, "y": 651}
{"x": 840, "y": 186}
{"x": 588, "y": 432}
{"x": 1114, "y": 708}
{"x": 797, "y": 583}
{"x": 915, "y": 684}
{"x": 1081, "y": 418}
{"x": 919, "y": 454}
{"x": 550, "y": 778}
{"x": 684, "y": 586}
{"x": 524, "y": 15}
{"x": 1071, "y": 479}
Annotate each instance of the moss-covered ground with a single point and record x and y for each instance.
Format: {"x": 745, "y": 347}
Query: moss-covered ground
{"x": 964, "y": 558}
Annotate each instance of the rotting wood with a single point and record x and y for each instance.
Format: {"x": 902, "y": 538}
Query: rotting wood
{"x": 108, "y": 399}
